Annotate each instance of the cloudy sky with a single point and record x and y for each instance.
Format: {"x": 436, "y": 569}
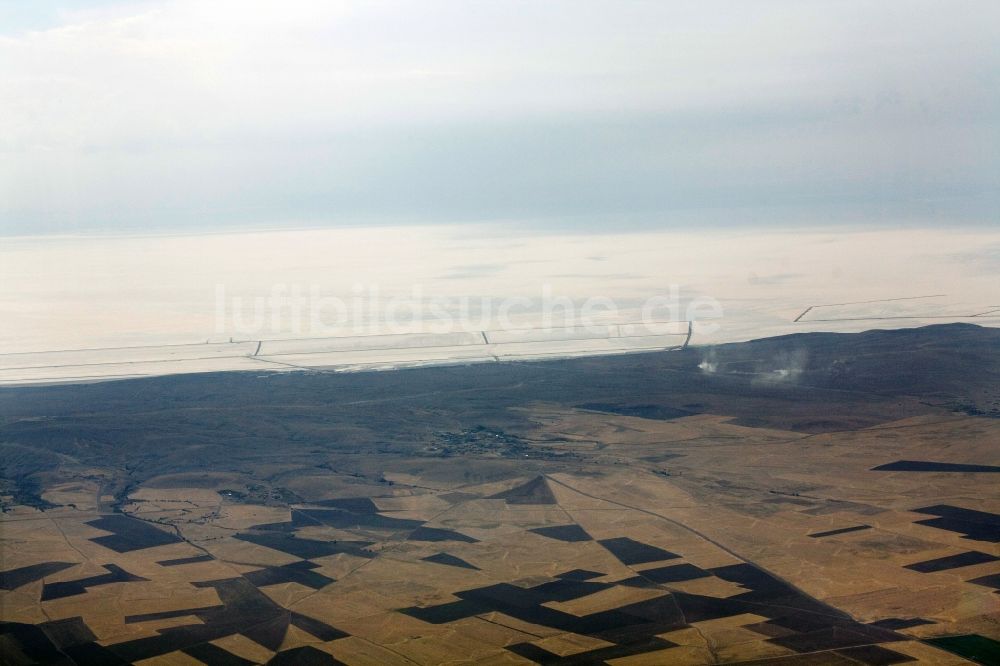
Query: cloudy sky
{"x": 163, "y": 114}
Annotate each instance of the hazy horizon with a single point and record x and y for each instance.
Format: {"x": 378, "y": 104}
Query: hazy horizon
{"x": 769, "y": 156}
{"x": 78, "y": 292}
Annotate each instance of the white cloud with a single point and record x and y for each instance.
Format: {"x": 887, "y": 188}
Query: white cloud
{"x": 118, "y": 102}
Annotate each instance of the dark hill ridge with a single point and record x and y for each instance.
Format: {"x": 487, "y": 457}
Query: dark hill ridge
{"x": 913, "y": 361}
{"x": 811, "y": 382}
{"x": 910, "y": 361}
{"x": 536, "y": 491}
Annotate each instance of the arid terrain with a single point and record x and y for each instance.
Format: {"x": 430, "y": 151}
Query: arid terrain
{"x": 808, "y": 499}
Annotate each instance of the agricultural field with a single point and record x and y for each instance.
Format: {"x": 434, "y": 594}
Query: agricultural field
{"x": 813, "y": 499}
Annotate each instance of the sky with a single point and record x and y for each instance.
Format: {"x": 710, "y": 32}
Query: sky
{"x": 148, "y": 116}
